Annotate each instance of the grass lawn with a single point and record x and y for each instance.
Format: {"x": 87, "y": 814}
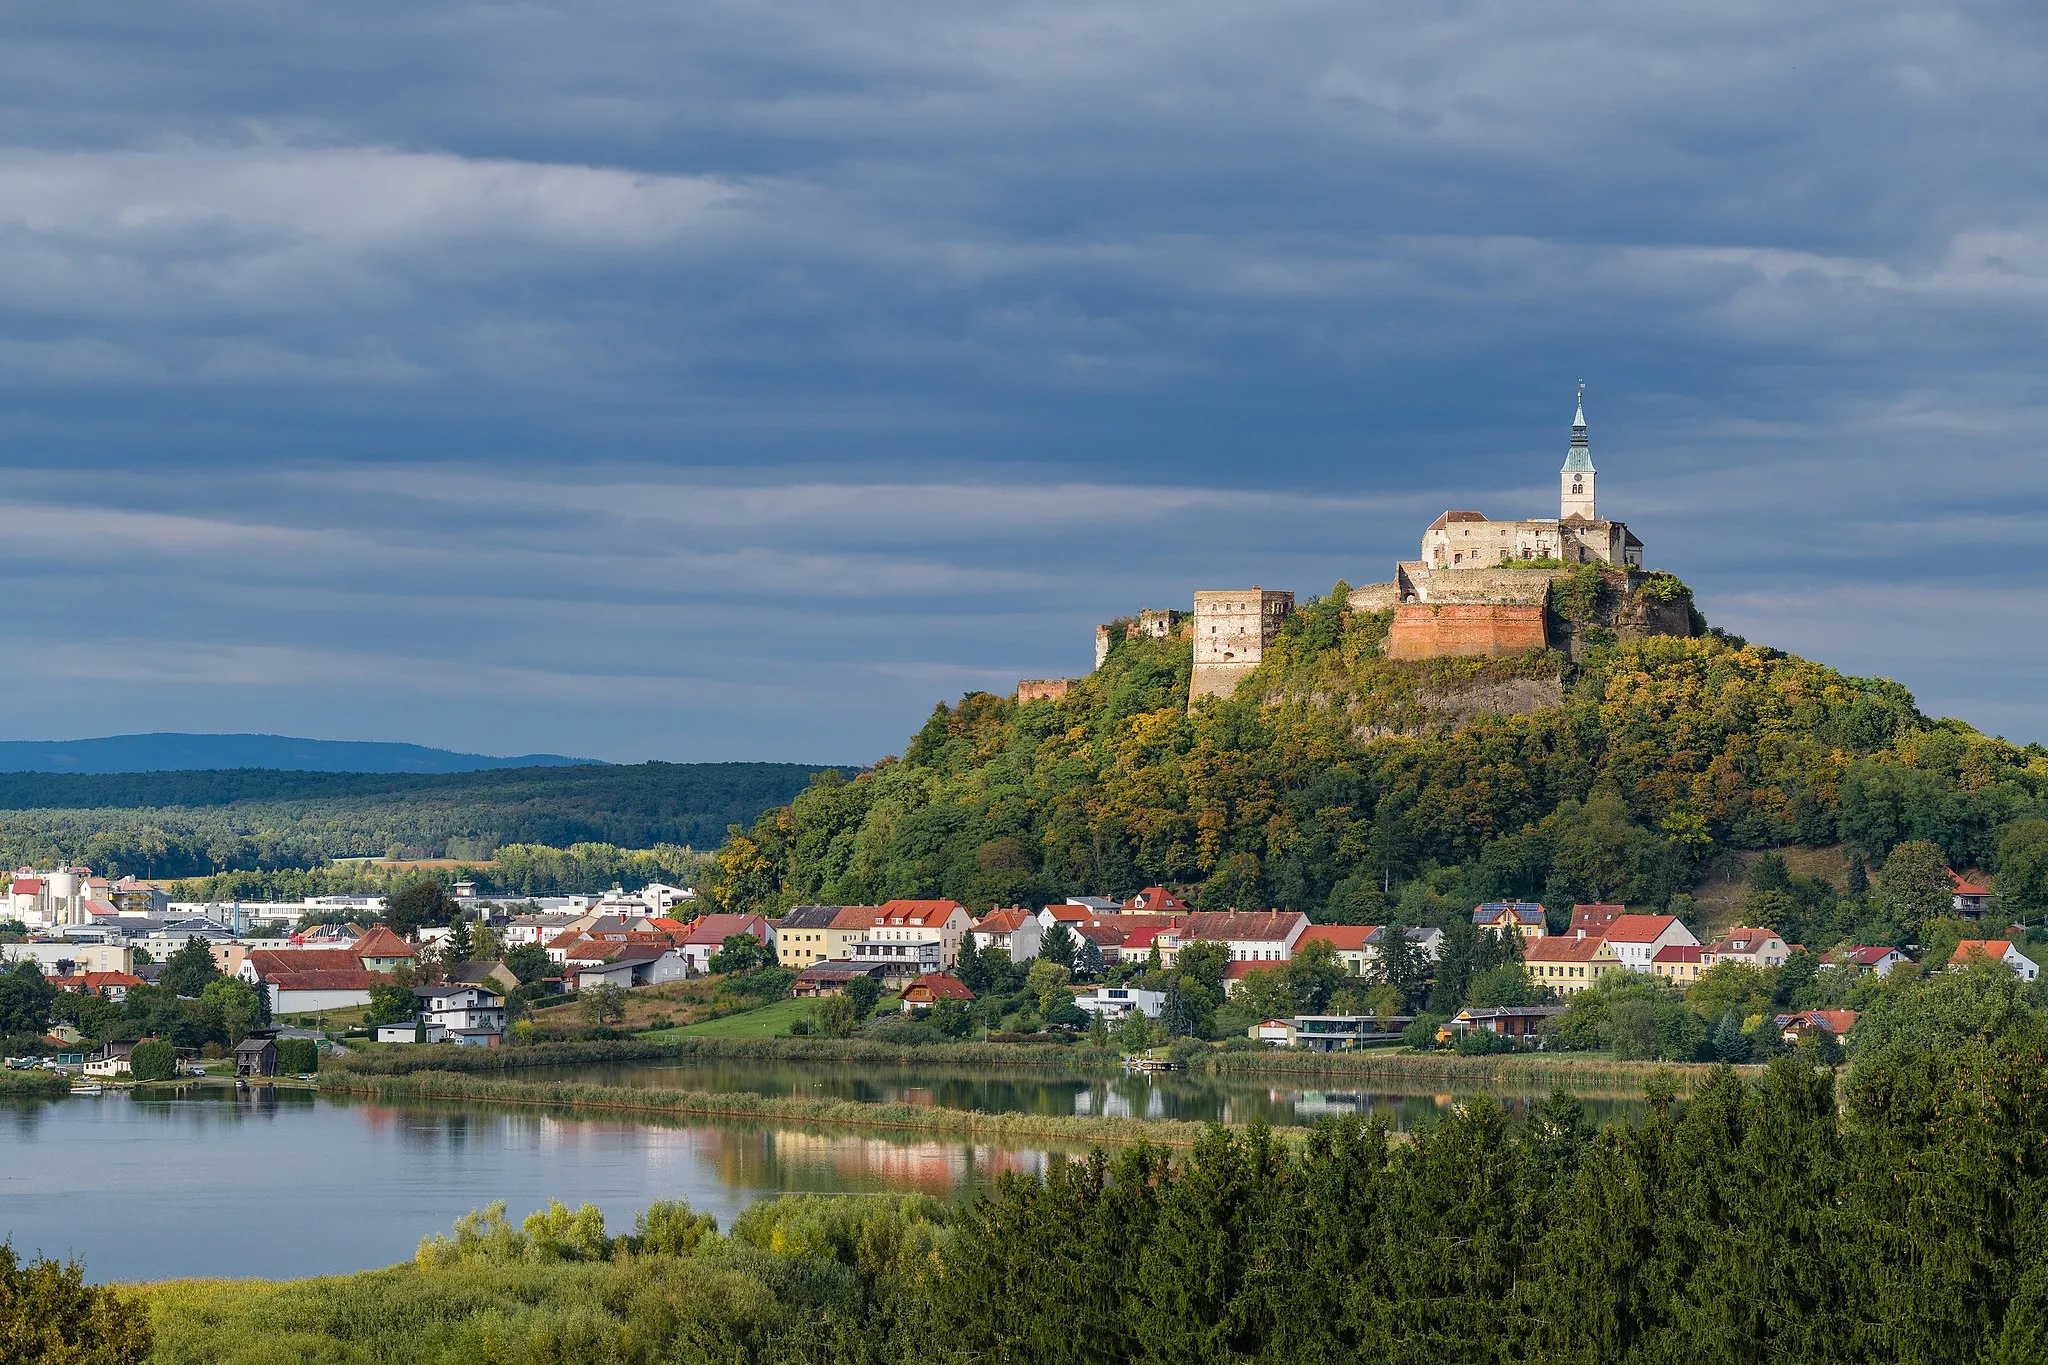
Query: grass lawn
{"x": 769, "y": 1021}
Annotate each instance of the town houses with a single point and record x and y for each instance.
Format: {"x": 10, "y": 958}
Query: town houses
{"x": 1114, "y": 963}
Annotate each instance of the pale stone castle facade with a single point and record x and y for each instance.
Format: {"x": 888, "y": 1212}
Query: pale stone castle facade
{"x": 1479, "y": 586}
{"x": 1577, "y": 535}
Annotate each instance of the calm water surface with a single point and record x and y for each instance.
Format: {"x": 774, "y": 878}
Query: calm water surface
{"x": 208, "y": 1185}
{"x": 201, "y": 1183}
{"x": 1174, "y": 1095}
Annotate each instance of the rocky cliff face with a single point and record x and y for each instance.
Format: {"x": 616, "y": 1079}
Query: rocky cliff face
{"x": 1591, "y": 606}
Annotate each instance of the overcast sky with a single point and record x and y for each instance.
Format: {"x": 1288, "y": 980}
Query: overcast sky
{"x": 735, "y": 380}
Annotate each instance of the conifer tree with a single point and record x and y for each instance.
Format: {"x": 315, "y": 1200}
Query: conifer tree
{"x": 1174, "y": 1014}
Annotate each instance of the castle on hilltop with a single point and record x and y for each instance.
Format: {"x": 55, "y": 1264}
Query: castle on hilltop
{"x": 1576, "y": 535}
{"x": 1479, "y": 587}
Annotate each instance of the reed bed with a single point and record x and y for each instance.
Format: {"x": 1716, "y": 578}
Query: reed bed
{"x": 1077, "y": 1130}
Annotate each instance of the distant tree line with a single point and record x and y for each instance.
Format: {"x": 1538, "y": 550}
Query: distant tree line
{"x": 193, "y": 824}
{"x": 514, "y": 870}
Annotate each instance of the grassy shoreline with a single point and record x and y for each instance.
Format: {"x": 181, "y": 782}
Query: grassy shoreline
{"x": 33, "y": 1084}
{"x": 1078, "y": 1130}
{"x": 404, "y": 1060}
{"x": 1530, "y": 1069}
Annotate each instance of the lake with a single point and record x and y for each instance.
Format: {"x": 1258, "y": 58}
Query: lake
{"x": 1202, "y": 1098}
{"x": 205, "y": 1184}
{"x": 198, "y": 1182}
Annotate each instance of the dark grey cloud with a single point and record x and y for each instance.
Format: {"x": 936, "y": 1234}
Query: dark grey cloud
{"x": 728, "y": 380}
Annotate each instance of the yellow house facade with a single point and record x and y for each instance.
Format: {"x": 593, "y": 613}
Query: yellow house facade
{"x": 1569, "y": 965}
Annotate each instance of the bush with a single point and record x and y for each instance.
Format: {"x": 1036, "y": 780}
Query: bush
{"x": 1422, "y": 1033}
{"x": 48, "y": 1312}
{"x": 670, "y": 1229}
{"x": 154, "y": 1062}
{"x": 297, "y": 1056}
{"x": 1479, "y": 1042}
{"x": 905, "y": 1033}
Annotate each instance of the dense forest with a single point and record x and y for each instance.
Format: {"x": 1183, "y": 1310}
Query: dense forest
{"x": 1360, "y": 789}
{"x": 192, "y": 824}
{"x": 1901, "y": 1216}
{"x": 513, "y": 870}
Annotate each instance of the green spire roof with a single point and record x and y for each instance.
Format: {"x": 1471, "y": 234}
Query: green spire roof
{"x": 1580, "y": 456}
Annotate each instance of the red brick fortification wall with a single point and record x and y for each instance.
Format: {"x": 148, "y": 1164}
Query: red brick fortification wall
{"x": 1423, "y": 631}
{"x": 1044, "y": 689}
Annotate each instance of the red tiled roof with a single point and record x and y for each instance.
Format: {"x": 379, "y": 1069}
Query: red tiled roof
{"x": 1458, "y": 514}
{"x": 1678, "y": 952}
{"x": 1140, "y": 940}
{"x": 1752, "y": 939}
{"x": 1837, "y": 1022}
{"x": 1155, "y": 898}
{"x": 1002, "y": 921}
{"x": 1101, "y": 935}
{"x": 711, "y": 931}
{"x": 919, "y": 912}
{"x": 1963, "y": 888}
{"x": 99, "y": 981}
{"x": 321, "y": 980}
{"x": 1985, "y": 947}
{"x": 635, "y": 952}
{"x": 1866, "y": 955}
{"x": 1596, "y": 915}
{"x": 269, "y": 963}
{"x": 1639, "y": 928}
{"x": 939, "y": 986}
{"x": 1235, "y": 926}
{"x": 1560, "y": 949}
{"x": 381, "y": 942}
{"x": 1070, "y": 914}
{"x": 1348, "y": 938}
{"x": 856, "y": 917}
{"x": 27, "y": 886}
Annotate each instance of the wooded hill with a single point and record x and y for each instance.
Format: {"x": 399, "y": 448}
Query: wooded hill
{"x": 186, "y": 824}
{"x": 1334, "y": 776}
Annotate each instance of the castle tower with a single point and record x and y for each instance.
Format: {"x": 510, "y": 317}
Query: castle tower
{"x": 1576, "y": 478}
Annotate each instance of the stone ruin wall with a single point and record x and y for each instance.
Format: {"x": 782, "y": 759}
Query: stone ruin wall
{"x": 1044, "y": 689}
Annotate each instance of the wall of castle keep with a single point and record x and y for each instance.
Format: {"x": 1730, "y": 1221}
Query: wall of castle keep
{"x": 1433, "y": 631}
{"x": 1232, "y": 630}
{"x": 1044, "y": 689}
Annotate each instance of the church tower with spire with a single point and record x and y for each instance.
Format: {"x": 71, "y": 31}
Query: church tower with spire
{"x": 1576, "y": 478}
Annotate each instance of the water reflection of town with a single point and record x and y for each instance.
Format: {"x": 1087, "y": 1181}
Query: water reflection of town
{"x": 1164, "y": 1098}
{"x": 1172, "y": 1095}
{"x": 739, "y": 1156}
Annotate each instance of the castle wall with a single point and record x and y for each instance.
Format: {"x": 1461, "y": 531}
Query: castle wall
{"x": 1375, "y": 597}
{"x": 1492, "y": 587}
{"x": 1424, "y": 631}
{"x": 1217, "y": 680}
{"x": 1044, "y": 689}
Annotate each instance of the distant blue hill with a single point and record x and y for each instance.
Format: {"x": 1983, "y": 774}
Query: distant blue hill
{"x": 183, "y": 753}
